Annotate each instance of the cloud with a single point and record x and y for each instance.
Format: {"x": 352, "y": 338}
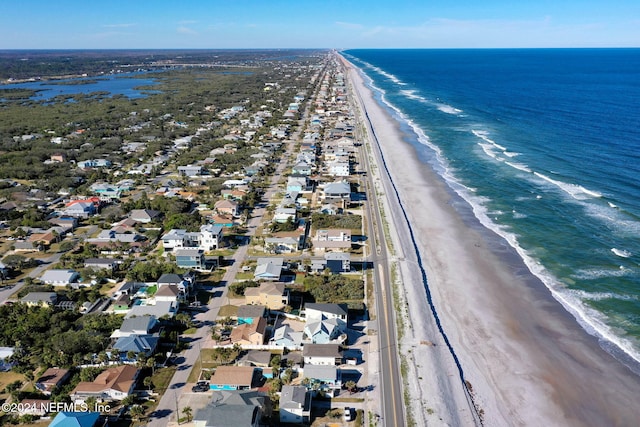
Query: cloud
{"x": 187, "y": 22}
{"x": 185, "y": 30}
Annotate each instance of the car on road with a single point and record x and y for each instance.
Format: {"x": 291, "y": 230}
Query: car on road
{"x": 200, "y": 387}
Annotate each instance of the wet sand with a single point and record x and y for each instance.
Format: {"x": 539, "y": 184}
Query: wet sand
{"x": 526, "y": 359}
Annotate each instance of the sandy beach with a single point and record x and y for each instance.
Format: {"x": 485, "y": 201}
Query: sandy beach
{"x": 525, "y": 359}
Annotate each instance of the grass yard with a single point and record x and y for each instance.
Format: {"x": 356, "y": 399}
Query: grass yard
{"x": 228, "y": 311}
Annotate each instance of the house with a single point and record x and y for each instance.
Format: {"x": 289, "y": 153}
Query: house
{"x": 23, "y": 246}
{"x": 297, "y": 183}
{"x": 328, "y": 239}
{"x": 338, "y": 168}
{"x": 173, "y": 239}
{"x": 323, "y": 378}
{"x": 281, "y": 245}
{"x": 106, "y": 191}
{"x": 39, "y": 407}
{"x": 60, "y": 277}
{"x": 95, "y": 163}
{"x": 52, "y": 379}
{"x": 141, "y": 325}
{"x": 190, "y": 170}
{"x": 137, "y": 344}
{"x": 144, "y": 216}
{"x": 322, "y": 354}
{"x": 234, "y": 378}
{"x": 302, "y": 168}
{"x": 112, "y": 384}
{"x": 250, "y": 333}
{"x": 321, "y": 311}
{"x": 287, "y": 337}
{"x": 210, "y": 237}
{"x": 323, "y": 331}
{"x": 295, "y": 404}
{"x": 130, "y": 288}
{"x": 190, "y": 258}
{"x": 76, "y": 419}
{"x": 283, "y": 215}
{"x": 170, "y": 293}
{"x": 228, "y": 207}
{"x": 272, "y": 295}
{"x": 184, "y": 282}
{"x": 268, "y": 269}
{"x": 40, "y": 299}
{"x": 110, "y": 264}
{"x": 80, "y": 209}
{"x": 222, "y": 220}
{"x": 122, "y": 303}
{"x": 260, "y": 358}
{"x": 159, "y": 309}
{"x": 233, "y": 409}
{"x": 249, "y": 313}
{"x": 336, "y": 262}
{"x": 338, "y": 192}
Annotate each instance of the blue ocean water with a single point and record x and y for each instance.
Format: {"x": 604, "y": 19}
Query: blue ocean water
{"x": 544, "y": 145}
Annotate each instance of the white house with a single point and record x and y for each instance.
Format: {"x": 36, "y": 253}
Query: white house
{"x": 209, "y": 238}
{"x": 322, "y": 354}
{"x": 60, "y": 277}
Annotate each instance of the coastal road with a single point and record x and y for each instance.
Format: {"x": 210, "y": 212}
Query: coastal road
{"x": 390, "y": 383}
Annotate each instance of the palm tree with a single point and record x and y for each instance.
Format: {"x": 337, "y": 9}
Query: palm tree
{"x": 137, "y": 411}
{"x": 148, "y": 382}
{"x": 351, "y": 386}
{"x": 151, "y": 363}
{"x": 187, "y": 412}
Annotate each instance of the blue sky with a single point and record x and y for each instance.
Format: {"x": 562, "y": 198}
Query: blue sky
{"x": 114, "y": 24}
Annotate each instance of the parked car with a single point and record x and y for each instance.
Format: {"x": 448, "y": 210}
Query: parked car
{"x": 348, "y": 414}
{"x": 201, "y": 386}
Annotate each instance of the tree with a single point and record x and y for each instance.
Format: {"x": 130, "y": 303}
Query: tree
{"x": 151, "y": 363}
{"x": 136, "y": 411}
{"x": 187, "y": 412}
{"x": 148, "y": 382}
{"x": 351, "y": 386}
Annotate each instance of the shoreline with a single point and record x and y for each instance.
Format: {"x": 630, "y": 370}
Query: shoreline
{"x": 527, "y": 359}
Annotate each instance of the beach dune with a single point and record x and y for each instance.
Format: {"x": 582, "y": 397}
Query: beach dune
{"x": 512, "y": 354}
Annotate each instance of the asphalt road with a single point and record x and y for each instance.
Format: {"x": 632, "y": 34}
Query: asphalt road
{"x": 392, "y": 405}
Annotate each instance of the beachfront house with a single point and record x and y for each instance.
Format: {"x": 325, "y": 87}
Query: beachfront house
{"x": 322, "y": 354}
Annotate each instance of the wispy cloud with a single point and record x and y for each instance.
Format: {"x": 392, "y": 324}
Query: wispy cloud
{"x": 187, "y": 22}
{"x": 185, "y": 30}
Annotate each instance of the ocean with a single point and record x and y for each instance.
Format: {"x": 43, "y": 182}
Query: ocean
{"x": 543, "y": 146}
